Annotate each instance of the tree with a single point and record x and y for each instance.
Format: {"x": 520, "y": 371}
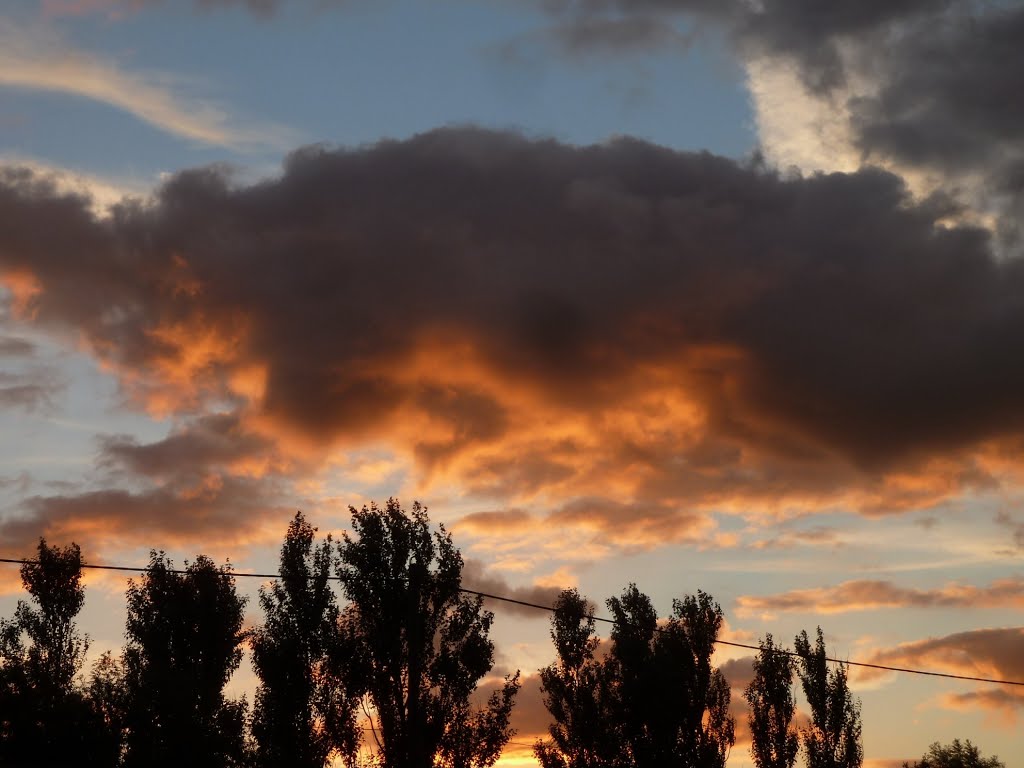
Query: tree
{"x": 302, "y": 713}
{"x": 107, "y": 697}
{"x": 45, "y": 718}
{"x": 772, "y": 706}
{"x": 655, "y": 700}
{"x": 420, "y": 644}
{"x": 833, "y": 738}
{"x": 956, "y": 755}
{"x": 184, "y": 631}
{"x": 698, "y": 731}
{"x": 575, "y": 692}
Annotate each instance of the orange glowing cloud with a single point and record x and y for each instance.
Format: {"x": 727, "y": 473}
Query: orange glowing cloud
{"x": 866, "y": 595}
{"x": 621, "y": 338}
{"x": 988, "y": 653}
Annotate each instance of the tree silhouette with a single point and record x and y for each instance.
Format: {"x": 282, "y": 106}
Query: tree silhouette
{"x": 772, "y": 706}
{"x": 45, "y": 718}
{"x": 421, "y": 646}
{"x": 302, "y": 713}
{"x": 575, "y": 692}
{"x": 694, "y": 728}
{"x": 184, "y": 631}
{"x": 654, "y": 701}
{"x": 833, "y": 738}
{"x": 107, "y": 697}
{"x": 956, "y": 755}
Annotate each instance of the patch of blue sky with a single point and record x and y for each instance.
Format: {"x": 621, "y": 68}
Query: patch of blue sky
{"x": 382, "y": 70}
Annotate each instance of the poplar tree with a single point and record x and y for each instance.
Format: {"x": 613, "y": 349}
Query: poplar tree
{"x": 654, "y": 701}
{"x": 45, "y": 718}
{"x": 420, "y": 644}
{"x": 772, "y": 706}
{"x": 575, "y": 692}
{"x": 184, "y": 642}
{"x": 833, "y": 739}
{"x": 303, "y": 714}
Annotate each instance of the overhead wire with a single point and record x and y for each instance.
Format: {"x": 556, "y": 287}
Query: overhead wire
{"x": 550, "y": 609}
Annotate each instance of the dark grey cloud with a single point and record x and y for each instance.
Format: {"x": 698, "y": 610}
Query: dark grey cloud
{"x": 210, "y": 479}
{"x": 739, "y": 672}
{"x": 949, "y": 94}
{"x": 830, "y": 323}
{"x": 947, "y": 103}
{"x": 942, "y": 95}
{"x": 476, "y": 577}
{"x": 208, "y": 443}
{"x": 229, "y": 511}
{"x": 809, "y": 32}
{"x": 30, "y": 390}
{"x": 14, "y": 346}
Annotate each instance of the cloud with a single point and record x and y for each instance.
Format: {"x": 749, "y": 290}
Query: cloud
{"x": 815, "y": 536}
{"x": 208, "y": 480}
{"x": 213, "y": 441}
{"x": 866, "y": 595}
{"x": 476, "y": 577}
{"x": 809, "y": 33}
{"x": 990, "y": 653}
{"x": 37, "y": 59}
{"x": 102, "y": 192}
{"x": 628, "y": 338}
{"x": 14, "y": 346}
{"x": 28, "y": 390}
{"x": 1015, "y": 527}
{"x": 921, "y": 87}
{"x": 233, "y": 512}
{"x": 738, "y": 672}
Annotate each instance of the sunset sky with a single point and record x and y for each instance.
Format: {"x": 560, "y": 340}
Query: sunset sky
{"x": 701, "y": 294}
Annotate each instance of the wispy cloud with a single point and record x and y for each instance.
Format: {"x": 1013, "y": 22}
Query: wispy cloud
{"x": 867, "y": 594}
{"x": 37, "y": 58}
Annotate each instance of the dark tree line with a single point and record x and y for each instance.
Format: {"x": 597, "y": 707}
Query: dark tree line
{"x": 396, "y": 667}
{"x": 395, "y": 670}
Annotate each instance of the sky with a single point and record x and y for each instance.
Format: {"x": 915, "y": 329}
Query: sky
{"x": 698, "y": 295}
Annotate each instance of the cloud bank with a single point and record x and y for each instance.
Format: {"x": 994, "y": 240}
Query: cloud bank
{"x": 643, "y": 334}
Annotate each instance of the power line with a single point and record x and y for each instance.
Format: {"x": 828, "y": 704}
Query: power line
{"x": 550, "y": 609}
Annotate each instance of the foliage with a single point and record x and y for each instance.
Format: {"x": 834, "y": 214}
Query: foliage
{"x": 421, "y": 646}
{"x": 302, "y": 713}
{"x": 107, "y": 699}
{"x": 956, "y": 755}
{"x": 655, "y": 700}
{"x": 184, "y": 631}
{"x": 45, "y": 718}
{"x": 575, "y": 692}
{"x": 833, "y": 740}
{"x": 772, "y": 707}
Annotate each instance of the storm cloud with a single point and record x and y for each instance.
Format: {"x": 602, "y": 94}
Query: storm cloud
{"x": 925, "y": 87}
{"x": 663, "y": 327}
